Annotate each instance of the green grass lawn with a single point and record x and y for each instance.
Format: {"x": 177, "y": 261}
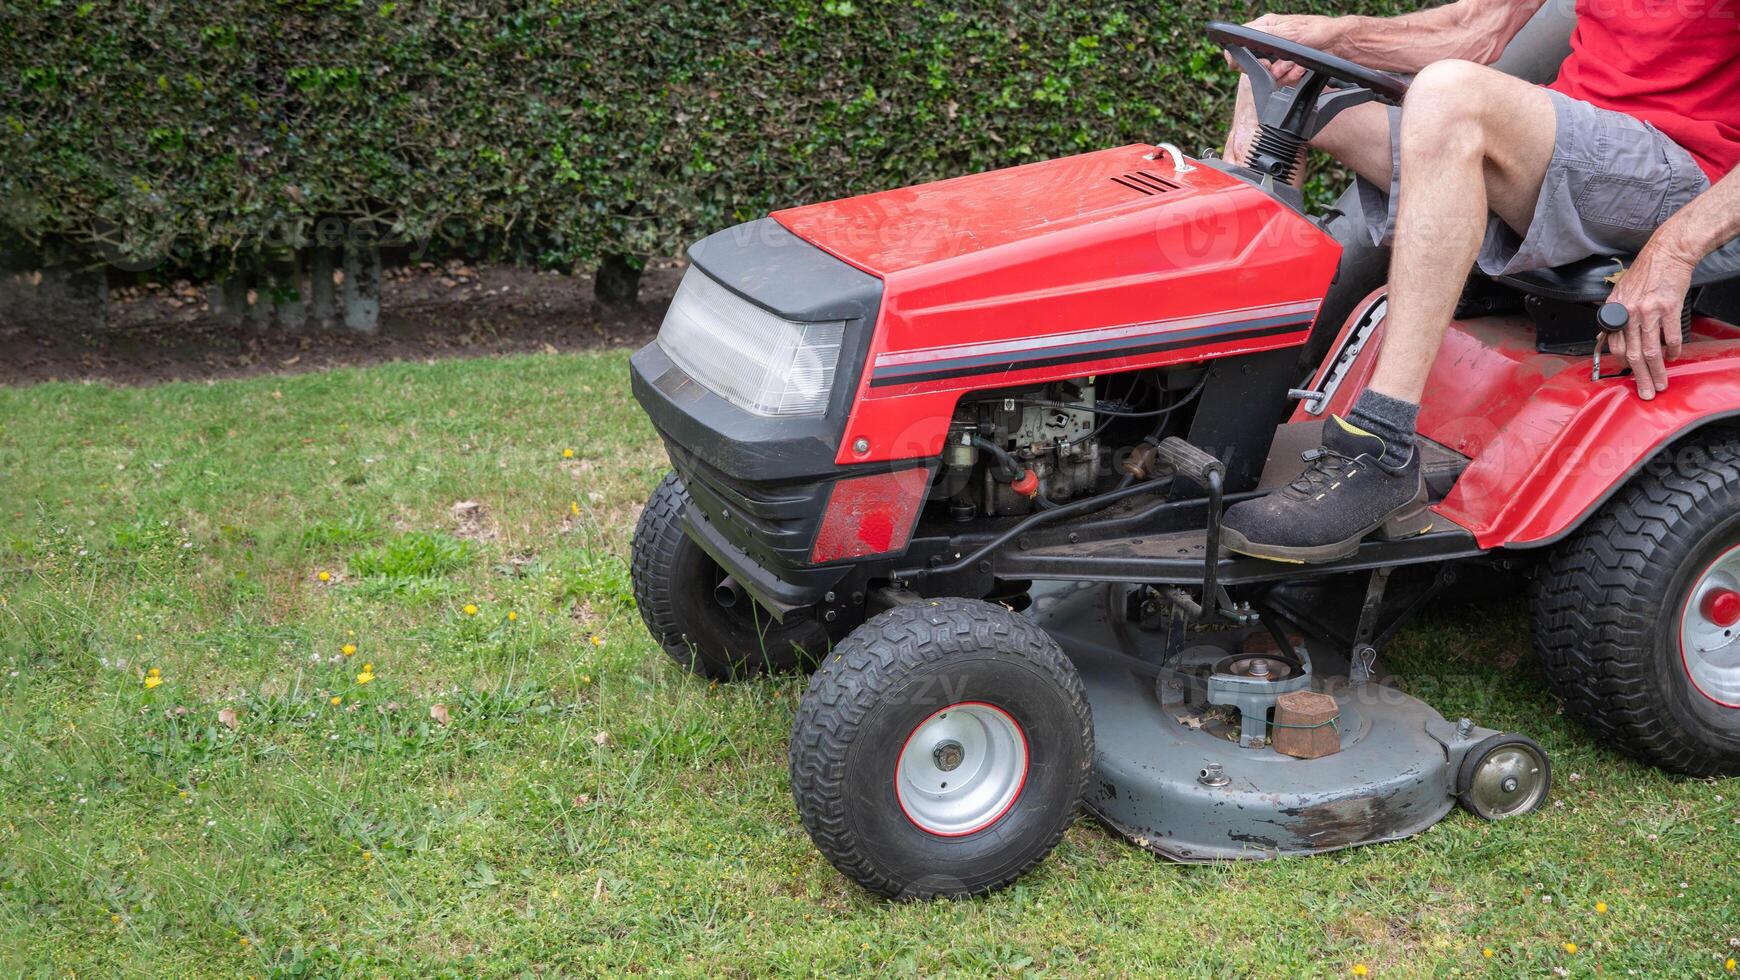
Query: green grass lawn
{"x": 587, "y": 807}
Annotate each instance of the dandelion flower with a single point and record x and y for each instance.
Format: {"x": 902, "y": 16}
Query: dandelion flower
{"x": 1360, "y": 970}
{"x": 1571, "y": 948}
{"x": 1730, "y": 965}
{"x": 368, "y": 855}
{"x": 368, "y": 674}
{"x": 348, "y": 649}
{"x": 245, "y": 940}
{"x": 1488, "y": 953}
{"x": 1600, "y": 908}
{"x": 325, "y": 576}
{"x": 337, "y": 699}
{"x": 115, "y": 919}
{"x": 597, "y": 640}
{"x": 513, "y": 616}
{"x": 567, "y": 454}
{"x": 153, "y": 678}
{"x": 574, "y": 507}
{"x": 470, "y": 609}
{"x": 585, "y": 678}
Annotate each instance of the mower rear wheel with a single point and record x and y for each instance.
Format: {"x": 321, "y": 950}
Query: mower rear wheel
{"x": 676, "y": 587}
{"x": 941, "y": 750}
{"x": 1635, "y": 615}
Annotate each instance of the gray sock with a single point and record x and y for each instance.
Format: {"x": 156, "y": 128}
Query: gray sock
{"x": 1391, "y": 420}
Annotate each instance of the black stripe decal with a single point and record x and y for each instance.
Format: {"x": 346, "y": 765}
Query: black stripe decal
{"x": 1091, "y": 351}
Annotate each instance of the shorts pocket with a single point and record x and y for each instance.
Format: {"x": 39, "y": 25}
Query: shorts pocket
{"x": 1621, "y": 202}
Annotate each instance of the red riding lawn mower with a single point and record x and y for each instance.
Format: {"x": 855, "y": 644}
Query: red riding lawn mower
{"x": 967, "y": 445}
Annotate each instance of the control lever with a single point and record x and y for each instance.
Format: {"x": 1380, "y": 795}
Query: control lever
{"x": 1612, "y": 317}
{"x": 1202, "y": 469}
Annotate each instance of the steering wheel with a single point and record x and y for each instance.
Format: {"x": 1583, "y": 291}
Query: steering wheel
{"x": 1288, "y": 117}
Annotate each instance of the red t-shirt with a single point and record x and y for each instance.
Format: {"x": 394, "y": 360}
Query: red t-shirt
{"x": 1674, "y": 64}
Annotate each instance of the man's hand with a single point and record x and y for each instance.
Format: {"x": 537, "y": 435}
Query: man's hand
{"x": 1310, "y": 30}
{"x": 1652, "y": 291}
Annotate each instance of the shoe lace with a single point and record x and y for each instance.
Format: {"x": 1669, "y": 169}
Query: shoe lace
{"x": 1325, "y": 467}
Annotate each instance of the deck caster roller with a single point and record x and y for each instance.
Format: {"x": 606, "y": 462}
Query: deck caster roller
{"x": 1504, "y": 776}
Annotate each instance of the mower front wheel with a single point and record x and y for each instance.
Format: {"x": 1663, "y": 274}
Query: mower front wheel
{"x": 941, "y": 750}
{"x": 676, "y": 588}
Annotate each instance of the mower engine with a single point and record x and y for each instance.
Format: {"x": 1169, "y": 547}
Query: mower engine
{"x": 1009, "y": 456}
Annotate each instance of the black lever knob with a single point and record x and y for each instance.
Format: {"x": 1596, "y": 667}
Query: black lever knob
{"x": 1612, "y": 316}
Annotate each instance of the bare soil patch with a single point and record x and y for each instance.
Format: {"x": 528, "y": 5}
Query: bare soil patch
{"x": 167, "y": 333}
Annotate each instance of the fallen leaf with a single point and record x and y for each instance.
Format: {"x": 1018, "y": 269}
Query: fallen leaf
{"x": 598, "y": 892}
{"x": 602, "y": 738}
{"x": 439, "y": 713}
{"x": 228, "y": 719}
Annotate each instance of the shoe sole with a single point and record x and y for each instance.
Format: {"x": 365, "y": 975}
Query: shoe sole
{"x": 1414, "y": 519}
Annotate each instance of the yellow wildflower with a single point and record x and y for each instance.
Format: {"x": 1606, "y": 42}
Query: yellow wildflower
{"x": 1730, "y": 965}
{"x": 1571, "y": 948}
{"x": 245, "y": 940}
{"x": 368, "y": 855}
{"x": 1359, "y": 970}
{"x": 325, "y": 576}
{"x": 115, "y": 919}
{"x": 585, "y": 678}
{"x": 597, "y": 640}
{"x": 337, "y": 700}
{"x": 567, "y": 454}
{"x": 1488, "y": 953}
{"x": 574, "y": 507}
{"x": 368, "y": 674}
{"x": 470, "y": 610}
{"x": 153, "y": 677}
{"x": 513, "y": 616}
{"x": 347, "y": 649}
{"x": 1600, "y": 908}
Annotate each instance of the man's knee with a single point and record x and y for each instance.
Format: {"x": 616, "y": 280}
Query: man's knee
{"x": 1443, "y": 111}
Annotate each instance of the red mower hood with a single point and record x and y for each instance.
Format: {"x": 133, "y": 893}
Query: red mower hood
{"x": 1100, "y": 263}
{"x": 893, "y": 231}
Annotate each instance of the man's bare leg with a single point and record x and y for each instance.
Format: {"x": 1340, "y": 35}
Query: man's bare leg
{"x": 1473, "y": 140}
{"x": 1360, "y": 138}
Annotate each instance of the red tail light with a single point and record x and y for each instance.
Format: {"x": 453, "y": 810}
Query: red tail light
{"x": 871, "y": 515}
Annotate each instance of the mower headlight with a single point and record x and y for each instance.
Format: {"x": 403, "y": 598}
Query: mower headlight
{"x": 758, "y": 361}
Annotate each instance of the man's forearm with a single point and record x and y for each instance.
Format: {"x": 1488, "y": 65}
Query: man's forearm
{"x": 1472, "y": 30}
{"x": 1710, "y": 221}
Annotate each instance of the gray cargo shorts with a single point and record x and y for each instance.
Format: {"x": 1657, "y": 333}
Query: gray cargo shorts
{"x": 1611, "y": 182}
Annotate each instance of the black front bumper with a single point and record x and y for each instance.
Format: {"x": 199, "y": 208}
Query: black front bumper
{"x": 758, "y": 491}
{"x": 759, "y": 485}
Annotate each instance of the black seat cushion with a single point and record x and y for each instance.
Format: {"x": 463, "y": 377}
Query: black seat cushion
{"x": 1586, "y": 281}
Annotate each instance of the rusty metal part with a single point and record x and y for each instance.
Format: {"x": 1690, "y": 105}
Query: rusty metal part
{"x": 1307, "y": 725}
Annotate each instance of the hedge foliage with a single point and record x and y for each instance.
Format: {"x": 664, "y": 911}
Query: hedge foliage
{"x": 556, "y": 130}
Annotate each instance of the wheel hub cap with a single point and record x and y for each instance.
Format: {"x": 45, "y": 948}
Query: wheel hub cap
{"x": 1710, "y": 631}
{"x": 1509, "y": 781}
{"x": 961, "y": 769}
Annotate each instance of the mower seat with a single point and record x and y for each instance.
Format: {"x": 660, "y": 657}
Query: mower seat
{"x": 1587, "y": 281}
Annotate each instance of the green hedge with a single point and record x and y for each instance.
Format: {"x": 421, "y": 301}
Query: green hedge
{"x": 560, "y": 130}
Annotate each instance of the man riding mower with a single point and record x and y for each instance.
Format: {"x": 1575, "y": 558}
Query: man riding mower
{"x": 1103, "y": 481}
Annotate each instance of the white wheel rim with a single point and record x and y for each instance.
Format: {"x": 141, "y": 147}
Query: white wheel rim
{"x": 1710, "y": 641}
{"x": 961, "y": 769}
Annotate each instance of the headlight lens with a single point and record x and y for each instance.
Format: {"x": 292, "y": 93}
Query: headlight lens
{"x": 768, "y": 365}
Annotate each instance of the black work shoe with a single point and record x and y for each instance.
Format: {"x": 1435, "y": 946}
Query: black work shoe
{"x": 1344, "y": 494}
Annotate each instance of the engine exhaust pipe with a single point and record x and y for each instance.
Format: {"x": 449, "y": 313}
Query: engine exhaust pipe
{"x": 728, "y": 593}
